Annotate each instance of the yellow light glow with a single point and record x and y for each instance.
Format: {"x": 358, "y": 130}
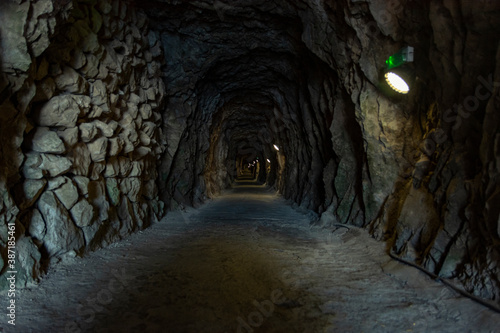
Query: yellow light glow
{"x": 276, "y": 147}
{"x": 397, "y": 83}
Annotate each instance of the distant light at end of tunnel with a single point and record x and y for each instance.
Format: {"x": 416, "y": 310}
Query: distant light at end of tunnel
{"x": 276, "y": 147}
{"x": 397, "y": 83}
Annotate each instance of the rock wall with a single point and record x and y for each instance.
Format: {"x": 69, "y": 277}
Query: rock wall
{"x": 427, "y": 180}
{"x": 237, "y": 92}
{"x": 420, "y": 171}
{"x": 80, "y": 105}
{"x": 87, "y": 130}
{"x": 429, "y": 172}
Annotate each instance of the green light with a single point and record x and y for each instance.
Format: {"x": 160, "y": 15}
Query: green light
{"x": 395, "y": 60}
{"x": 402, "y": 56}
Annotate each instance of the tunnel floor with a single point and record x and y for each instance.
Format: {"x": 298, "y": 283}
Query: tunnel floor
{"x": 244, "y": 262}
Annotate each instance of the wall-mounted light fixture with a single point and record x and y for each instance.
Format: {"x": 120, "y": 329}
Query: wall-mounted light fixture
{"x": 398, "y": 74}
{"x": 276, "y": 147}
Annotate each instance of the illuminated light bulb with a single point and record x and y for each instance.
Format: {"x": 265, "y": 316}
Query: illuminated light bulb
{"x": 276, "y": 147}
{"x": 397, "y": 83}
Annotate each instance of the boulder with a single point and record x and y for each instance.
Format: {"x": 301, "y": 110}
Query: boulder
{"x": 61, "y": 110}
{"x": 62, "y": 235}
{"x": 55, "y": 165}
{"x": 146, "y": 111}
{"x": 95, "y": 112}
{"x": 98, "y": 92}
{"x": 55, "y": 183}
{"x": 144, "y": 138}
{"x": 15, "y": 56}
{"x": 112, "y": 168}
{"x": 130, "y": 139}
{"x": 71, "y": 81}
{"x": 46, "y": 141}
{"x": 88, "y": 131}
{"x": 98, "y": 149}
{"x": 69, "y": 136}
{"x": 83, "y": 213}
{"x": 82, "y": 183}
{"x": 141, "y": 152}
{"x": 97, "y": 169}
{"x": 32, "y": 166}
{"x": 107, "y": 129}
{"x": 39, "y": 26}
{"x": 67, "y": 193}
{"x": 132, "y": 188}
{"x": 125, "y": 166}
{"x": 115, "y": 146}
{"x": 137, "y": 168}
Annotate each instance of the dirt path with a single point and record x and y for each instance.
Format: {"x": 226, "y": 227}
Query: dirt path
{"x": 245, "y": 262}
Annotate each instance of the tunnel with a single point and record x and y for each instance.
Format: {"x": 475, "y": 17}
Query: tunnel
{"x": 270, "y": 125}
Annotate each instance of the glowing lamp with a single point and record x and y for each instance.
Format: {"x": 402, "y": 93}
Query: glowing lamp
{"x": 276, "y": 147}
{"x": 398, "y": 74}
{"x": 397, "y": 83}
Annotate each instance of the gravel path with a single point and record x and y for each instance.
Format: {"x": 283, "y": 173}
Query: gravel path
{"x": 244, "y": 262}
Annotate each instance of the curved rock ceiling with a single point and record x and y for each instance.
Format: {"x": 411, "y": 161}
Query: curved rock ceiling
{"x": 243, "y": 75}
{"x": 167, "y": 97}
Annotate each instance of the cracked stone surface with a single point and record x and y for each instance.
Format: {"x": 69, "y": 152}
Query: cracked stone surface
{"x": 244, "y": 262}
{"x": 147, "y": 106}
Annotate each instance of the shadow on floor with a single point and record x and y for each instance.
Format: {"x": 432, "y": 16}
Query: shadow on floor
{"x": 210, "y": 285}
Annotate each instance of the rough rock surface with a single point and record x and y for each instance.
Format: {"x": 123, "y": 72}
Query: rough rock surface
{"x": 245, "y": 262}
{"x": 206, "y": 87}
{"x": 78, "y": 71}
{"x": 246, "y": 75}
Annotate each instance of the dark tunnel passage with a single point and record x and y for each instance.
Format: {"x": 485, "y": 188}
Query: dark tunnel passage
{"x": 116, "y": 115}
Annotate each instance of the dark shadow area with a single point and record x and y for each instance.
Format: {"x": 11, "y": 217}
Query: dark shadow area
{"x": 211, "y": 283}
{"x": 205, "y": 287}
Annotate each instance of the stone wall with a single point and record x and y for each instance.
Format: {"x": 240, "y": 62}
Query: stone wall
{"x": 244, "y": 75}
{"x": 428, "y": 179}
{"x": 80, "y": 107}
{"x": 81, "y": 98}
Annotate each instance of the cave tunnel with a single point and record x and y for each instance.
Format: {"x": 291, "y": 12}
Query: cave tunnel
{"x": 222, "y": 166}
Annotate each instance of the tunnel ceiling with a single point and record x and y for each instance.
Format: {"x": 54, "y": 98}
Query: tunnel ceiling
{"x": 243, "y": 68}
